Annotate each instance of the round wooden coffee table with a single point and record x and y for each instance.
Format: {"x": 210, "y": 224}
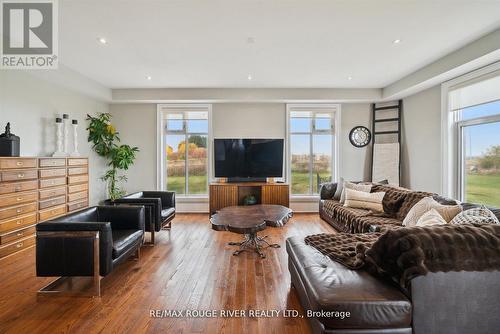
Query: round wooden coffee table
{"x": 248, "y": 220}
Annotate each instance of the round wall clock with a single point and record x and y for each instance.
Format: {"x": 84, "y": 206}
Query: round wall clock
{"x": 360, "y": 136}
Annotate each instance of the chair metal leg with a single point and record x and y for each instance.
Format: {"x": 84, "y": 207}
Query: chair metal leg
{"x": 152, "y": 235}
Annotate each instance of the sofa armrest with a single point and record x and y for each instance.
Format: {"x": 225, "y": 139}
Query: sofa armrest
{"x": 123, "y": 217}
{"x": 167, "y": 197}
{"x": 60, "y": 251}
{"x": 327, "y": 190}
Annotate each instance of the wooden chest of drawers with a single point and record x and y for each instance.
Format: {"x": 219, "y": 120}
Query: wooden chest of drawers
{"x": 37, "y": 189}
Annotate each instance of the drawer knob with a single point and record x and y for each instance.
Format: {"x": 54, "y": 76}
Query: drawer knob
{"x": 19, "y": 210}
{"x": 19, "y": 234}
{"x": 19, "y": 198}
{"x": 19, "y": 245}
{"x": 20, "y": 176}
{"x": 18, "y": 222}
{"x": 19, "y": 163}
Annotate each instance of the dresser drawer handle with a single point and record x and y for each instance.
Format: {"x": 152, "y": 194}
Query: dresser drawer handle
{"x": 19, "y": 199}
{"x": 19, "y": 163}
{"x": 20, "y": 176}
{"x": 19, "y": 210}
{"x": 19, "y": 234}
{"x": 19, "y": 245}
{"x": 19, "y": 222}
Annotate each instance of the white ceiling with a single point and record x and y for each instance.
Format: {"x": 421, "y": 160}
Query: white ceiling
{"x": 297, "y": 43}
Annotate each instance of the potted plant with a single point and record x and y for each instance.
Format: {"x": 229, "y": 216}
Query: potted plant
{"x": 106, "y": 143}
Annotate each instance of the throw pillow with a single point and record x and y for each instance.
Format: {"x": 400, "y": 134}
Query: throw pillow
{"x": 448, "y": 212}
{"x": 479, "y": 215}
{"x": 327, "y": 190}
{"x": 431, "y": 217}
{"x": 359, "y": 187}
{"x": 338, "y": 191}
{"x": 364, "y": 200}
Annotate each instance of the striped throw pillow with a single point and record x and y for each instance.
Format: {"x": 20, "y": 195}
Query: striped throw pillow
{"x": 364, "y": 200}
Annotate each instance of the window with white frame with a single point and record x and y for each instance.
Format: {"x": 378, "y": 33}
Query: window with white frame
{"x": 184, "y": 132}
{"x": 476, "y": 114}
{"x": 311, "y": 146}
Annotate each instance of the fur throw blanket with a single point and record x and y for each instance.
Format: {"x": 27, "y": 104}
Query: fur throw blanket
{"x": 405, "y": 253}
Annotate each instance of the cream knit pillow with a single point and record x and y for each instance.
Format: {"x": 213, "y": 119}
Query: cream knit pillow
{"x": 354, "y": 186}
{"x": 431, "y": 217}
{"x": 448, "y": 212}
{"x": 364, "y": 200}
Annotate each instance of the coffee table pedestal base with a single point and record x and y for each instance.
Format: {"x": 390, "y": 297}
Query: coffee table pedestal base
{"x": 253, "y": 242}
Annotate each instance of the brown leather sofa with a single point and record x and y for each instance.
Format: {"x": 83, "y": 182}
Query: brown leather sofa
{"x": 440, "y": 303}
{"x": 452, "y": 302}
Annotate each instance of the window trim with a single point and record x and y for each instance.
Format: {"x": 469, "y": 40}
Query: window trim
{"x": 160, "y": 155}
{"x": 450, "y": 145}
{"x": 461, "y": 124}
{"x": 336, "y": 132}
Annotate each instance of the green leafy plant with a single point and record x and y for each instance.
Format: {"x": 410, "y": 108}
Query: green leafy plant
{"x": 105, "y": 142}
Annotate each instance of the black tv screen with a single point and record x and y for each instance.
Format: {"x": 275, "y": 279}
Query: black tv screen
{"x": 246, "y": 158}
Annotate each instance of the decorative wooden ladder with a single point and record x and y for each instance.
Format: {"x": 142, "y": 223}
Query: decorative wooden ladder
{"x": 391, "y": 133}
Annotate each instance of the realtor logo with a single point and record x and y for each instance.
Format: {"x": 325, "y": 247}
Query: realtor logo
{"x": 29, "y": 34}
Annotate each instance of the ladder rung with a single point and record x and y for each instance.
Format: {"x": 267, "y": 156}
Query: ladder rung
{"x": 387, "y": 120}
{"x": 385, "y": 132}
{"x": 386, "y": 107}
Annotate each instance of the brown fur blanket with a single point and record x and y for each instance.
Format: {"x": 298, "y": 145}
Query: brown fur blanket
{"x": 405, "y": 253}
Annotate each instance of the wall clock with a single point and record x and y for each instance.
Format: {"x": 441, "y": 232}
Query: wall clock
{"x": 360, "y": 136}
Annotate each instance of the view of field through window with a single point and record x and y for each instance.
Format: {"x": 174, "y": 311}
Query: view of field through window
{"x": 482, "y": 156}
{"x": 186, "y": 137}
{"x": 311, "y": 144}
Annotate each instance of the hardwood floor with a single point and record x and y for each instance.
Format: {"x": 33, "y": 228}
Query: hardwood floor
{"x": 190, "y": 268}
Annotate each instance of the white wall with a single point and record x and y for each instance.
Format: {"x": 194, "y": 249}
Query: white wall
{"x": 31, "y": 105}
{"x": 355, "y": 162}
{"x": 421, "y": 150}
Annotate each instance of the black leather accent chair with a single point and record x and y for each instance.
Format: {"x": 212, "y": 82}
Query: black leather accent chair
{"x": 160, "y": 208}
{"x": 90, "y": 242}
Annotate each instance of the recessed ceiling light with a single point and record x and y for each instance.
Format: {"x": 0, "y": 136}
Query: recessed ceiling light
{"x": 102, "y": 40}
{"x": 249, "y": 77}
{"x": 149, "y": 77}
{"x": 349, "y": 78}
{"x": 396, "y": 41}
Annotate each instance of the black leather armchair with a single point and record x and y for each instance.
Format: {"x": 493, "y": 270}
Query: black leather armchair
{"x": 160, "y": 208}
{"x": 90, "y": 242}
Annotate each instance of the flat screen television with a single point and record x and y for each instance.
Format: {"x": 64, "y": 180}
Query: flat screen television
{"x": 252, "y": 159}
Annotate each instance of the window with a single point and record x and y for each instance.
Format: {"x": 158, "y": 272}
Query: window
{"x": 311, "y": 131}
{"x": 184, "y": 148}
{"x": 479, "y": 153}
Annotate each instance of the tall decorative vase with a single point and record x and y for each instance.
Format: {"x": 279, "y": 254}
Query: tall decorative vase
{"x": 59, "y": 139}
{"x": 66, "y": 133}
{"x": 75, "y": 152}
